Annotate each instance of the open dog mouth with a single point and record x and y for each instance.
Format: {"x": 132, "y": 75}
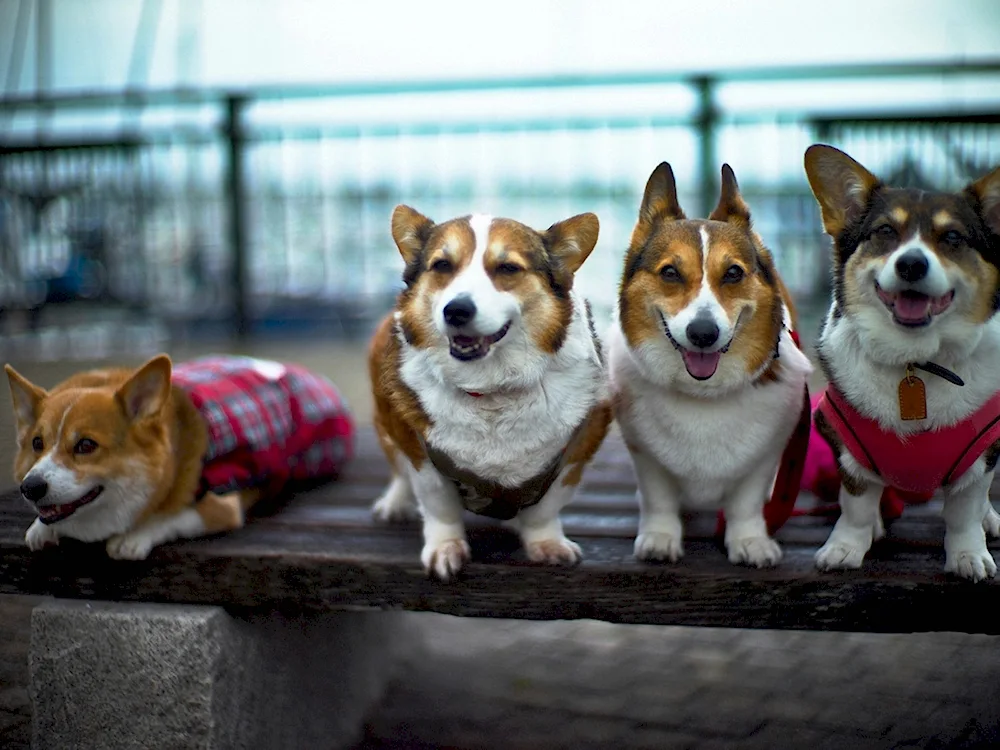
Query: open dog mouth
{"x": 913, "y": 309}
{"x": 700, "y": 365}
{"x": 52, "y": 513}
{"x": 468, "y": 348}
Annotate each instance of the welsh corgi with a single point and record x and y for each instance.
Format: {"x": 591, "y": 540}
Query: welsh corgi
{"x": 911, "y": 350}
{"x": 141, "y": 457}
{"x": 488, "y": 382}
{"x": 707, "y": 382}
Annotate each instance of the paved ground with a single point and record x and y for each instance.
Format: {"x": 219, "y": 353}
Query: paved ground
{"x": 506, "y": 684}
{"x": 15, "y": 709}
{"x": 586, "y": 684}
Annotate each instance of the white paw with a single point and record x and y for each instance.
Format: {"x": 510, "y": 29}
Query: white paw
{"x": 560, "y": 551}
{"x": 839, "y": 556}
{"x": 975, "y": 565}
{"x": 39, "y": 535}
{"x": 991, "y": 522}
{"x": 757, "y": 551}
{"x": 388, "y": 509}
{"x": 446, "y": 558}
{"x": 655, "y": 545}
{"x": 129, "y": 546}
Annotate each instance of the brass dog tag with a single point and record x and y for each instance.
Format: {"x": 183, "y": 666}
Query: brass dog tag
{"x": 912, "y": 397}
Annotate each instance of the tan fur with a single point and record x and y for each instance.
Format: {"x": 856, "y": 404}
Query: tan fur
{"x": 663, "y": 237}
{"x": 398, "y": 418}
{"x": 588, "y": 440}
{"x": 844, "y": 189}
{"x": 519, "y": 260}
{"x": 139, "y": 421}
{"x": 532, "y": 258}
{"x": 833, "y": 177}
{"x": 225, "y": 512}
{"x": 522, "y": 276}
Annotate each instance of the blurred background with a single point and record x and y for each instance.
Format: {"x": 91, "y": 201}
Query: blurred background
{"x": 195, "y": 175}
{"x": 189, "y": 170}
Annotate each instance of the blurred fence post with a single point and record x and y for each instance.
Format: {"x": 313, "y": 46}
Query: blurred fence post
{"x": 236, "y": 196}
{"x": 706, "y": 120}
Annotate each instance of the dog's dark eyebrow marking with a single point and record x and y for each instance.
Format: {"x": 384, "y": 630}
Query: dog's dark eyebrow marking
{"x": 636, "y": 262}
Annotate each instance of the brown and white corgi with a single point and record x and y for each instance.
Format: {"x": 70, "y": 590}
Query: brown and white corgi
{"x": 911, "y": 350}
{"x": 141, "y": 457}
{"x": 707, "y": 381}
{"x": 488, "y": 382}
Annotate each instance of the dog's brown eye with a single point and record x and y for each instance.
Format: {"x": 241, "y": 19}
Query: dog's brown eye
{"x": 733, "y": 275}
{"x": 670, "y": 273}
{"x": 508, "y": 268}
{"x": 885, "y": 231}
{"x": 84, "y": 447}
{"x": 953, "y": 238}
{"x": 441, "y": 265}
{"x": 37, "y": 444}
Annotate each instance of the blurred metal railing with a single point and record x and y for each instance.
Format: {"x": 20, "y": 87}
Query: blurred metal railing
{"x": 256, "y": 208}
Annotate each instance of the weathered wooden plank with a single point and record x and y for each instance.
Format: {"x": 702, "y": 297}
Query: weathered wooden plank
{"x": 321, "y": 550}
{"x": 894, "y": 593}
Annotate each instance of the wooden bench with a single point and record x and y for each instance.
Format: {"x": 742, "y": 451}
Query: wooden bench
{"x": 322, "y": 552}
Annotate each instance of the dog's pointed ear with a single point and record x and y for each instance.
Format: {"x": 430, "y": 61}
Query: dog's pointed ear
{"x": 660, "y": 198}
{"x": 842, "y": 186}
{"x": 572, "y": 240}
{"x": 26, "y": 398}
{"x": 986, "y": 197}
{"x": 410, "y": 231}
{"x": 148, "y": 390}
{"x": 731, "y": 207}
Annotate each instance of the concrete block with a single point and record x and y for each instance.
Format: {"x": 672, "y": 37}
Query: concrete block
{"x": 153, "y": 676}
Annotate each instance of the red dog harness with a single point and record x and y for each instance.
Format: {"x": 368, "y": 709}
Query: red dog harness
{"x": 918, "y": 463}
{"x": 779, "y": 508}
{"x": 268, "y": 423}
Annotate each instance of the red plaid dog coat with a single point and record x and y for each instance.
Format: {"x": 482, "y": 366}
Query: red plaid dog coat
{"x": 268, "y": 423}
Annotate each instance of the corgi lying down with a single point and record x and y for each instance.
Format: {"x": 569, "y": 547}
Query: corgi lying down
{"x": 141, "y": 457}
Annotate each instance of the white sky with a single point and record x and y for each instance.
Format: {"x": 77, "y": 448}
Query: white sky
{"x": 256, "y": 41}
{"x": 249, "y": 42}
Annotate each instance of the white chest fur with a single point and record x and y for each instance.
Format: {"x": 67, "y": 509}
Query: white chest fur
{"x": 873, "y": 387}
{"x": 709, "y": 445}
{"x": 511, "y": 436}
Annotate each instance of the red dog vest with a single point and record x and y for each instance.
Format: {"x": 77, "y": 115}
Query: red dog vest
{"x": 919, "y": 463}
{"x": 268, "y": 424}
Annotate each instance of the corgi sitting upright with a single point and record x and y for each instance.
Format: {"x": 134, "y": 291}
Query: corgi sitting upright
{"x": 142, "y": 457}
{"x": 488, "y": 382}
{"x": 911, "y": 350}
{"x": 707, "y": 382}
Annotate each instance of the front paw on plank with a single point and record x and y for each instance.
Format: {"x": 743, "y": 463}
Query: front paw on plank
{"x": 560, "y": 551}
{"x": 446, "y": 558}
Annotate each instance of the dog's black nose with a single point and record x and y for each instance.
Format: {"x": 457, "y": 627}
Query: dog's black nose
{"x": 912, "y": 266}
{"x": 34, "y": 488}
{"x": 702, "y": 331}
{"x": 459, "y": 311}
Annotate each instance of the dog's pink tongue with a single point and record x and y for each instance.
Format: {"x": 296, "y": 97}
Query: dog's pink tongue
{"x": 701, "y": 365}
{"x": 912, "y": 307}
